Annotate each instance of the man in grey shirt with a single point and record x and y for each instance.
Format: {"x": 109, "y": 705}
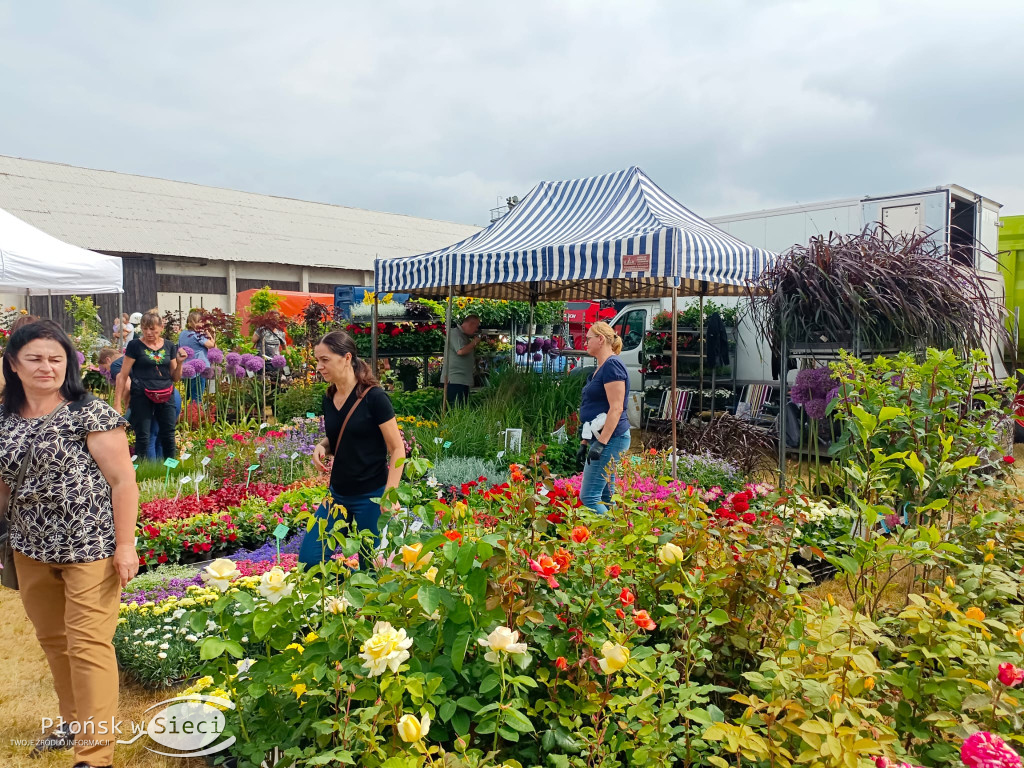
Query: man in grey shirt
{"x": 460, "y": 361}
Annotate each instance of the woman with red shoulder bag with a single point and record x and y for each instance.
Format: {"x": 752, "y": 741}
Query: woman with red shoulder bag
{"x": 153, "y": 364}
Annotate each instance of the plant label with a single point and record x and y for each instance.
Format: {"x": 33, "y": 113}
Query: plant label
{"x": 205, "y": 461}
{"x": 447, "y": 444}
{"x": 134, "y": 458}
{"x": 281, "y": 531}
{"x": 295, "y": 455}
{"x": 136, "y": 466}
{"x": 260, "y": 450}
{"x": 635, "y": 459}
{"x": 310, "y": 415}
{"x": 514, "y": 440}
{"x": 543, "y": 491}
{"x": 186, "y": 456}
{"x": 171, "y": 463}
{"x": 184, "y": 479}
{"x": 254, "y": 467}
{"x": 264, "y": 425}
{"x": 500, "y": 454}
{"x": 231, "y": 455}
{"x": 198, "y": 479}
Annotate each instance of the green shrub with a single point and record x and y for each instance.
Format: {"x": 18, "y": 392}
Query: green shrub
{"x": 456, "y": 470}
{"x": 300, "y": 399}
{"x": 423, "y": 403}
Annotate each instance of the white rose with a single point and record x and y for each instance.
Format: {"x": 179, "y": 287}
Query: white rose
{"x": 274, "y": 585}
{"x": 502, "y": 640}
{"x": 220, "y": 573}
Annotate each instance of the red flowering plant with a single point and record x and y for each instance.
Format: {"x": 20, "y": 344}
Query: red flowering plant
{"x": 411, "y": 337}
{"x": 219, "y": 500}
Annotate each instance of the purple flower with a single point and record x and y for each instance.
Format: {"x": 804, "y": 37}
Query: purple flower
{"x": 80, "y": 356}
{"x": 535, "y": 345}
{"x": 232, "y": 359}
{"x": 811, "y": 384}
{"x": 189, "y": 353}
{"x": 215, "y": 355}
{"x": 521, "y": 348}
{"x": 209, "y": 373}
{"x": 545, "y": 345}
{"x": 538, "y": 356}
{"x": 252, "y": 363}
{"x": 278, "y": 361}
{"x": 238, "y": 372}
{"x": 188, "y": 370}
{"x": 832, "y": 394}
{"x": 815, "y": 409}
{"x": 200, "y": 364}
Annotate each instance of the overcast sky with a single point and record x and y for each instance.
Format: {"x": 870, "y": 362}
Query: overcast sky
{"x": 440, "y": 109}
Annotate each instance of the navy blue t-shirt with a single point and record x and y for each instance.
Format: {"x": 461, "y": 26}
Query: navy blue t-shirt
{"x": 595, "y": 398}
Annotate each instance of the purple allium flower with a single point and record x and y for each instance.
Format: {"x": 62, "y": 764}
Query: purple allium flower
{"x": 535, "y": 345}
{"x": 209, "y": 373}
{"x": 80, "y": 356}
{"x": 832, "y": 394}
{"x": 520, "y": 348}
{"x": 200, "y": 364}
{"x": 815, "y": 408}
{"x": 232, "y": 359}
{"x": 215, "y": 355}
{"x": 545, "y": 345}
{"x": 538, "y": 356}
{"x": 252, "y": 363}
{"x": 188, "y": 371}
{"x": 238, "y": 372}
{"x": 278, "y": 361}
{"x": 811, "y": 384}
{"x": 189, "y": 353}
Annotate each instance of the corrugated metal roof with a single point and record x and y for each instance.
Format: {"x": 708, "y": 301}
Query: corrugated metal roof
{"x": 108, "y": 211}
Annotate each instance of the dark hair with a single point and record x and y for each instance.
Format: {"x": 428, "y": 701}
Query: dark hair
{"x": 71, "y": 390}
{"x": 151, "y": 319}
{"x": 341, "y": 344}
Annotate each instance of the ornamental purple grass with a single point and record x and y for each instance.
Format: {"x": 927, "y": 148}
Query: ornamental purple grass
{"x": 278, "y": 362}
{"x": 252, "y": 363}
{"x": 232, "y": 359}
{"x": 215, "y": 355}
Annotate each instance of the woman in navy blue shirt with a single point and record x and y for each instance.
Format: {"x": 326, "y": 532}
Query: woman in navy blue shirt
{"x": 605, "y": 393}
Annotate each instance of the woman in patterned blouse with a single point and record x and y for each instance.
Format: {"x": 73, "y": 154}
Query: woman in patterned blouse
{"x": 72, "y": 527}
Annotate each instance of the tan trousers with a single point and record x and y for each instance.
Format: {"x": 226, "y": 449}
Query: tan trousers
{"x": 74, "y": 610}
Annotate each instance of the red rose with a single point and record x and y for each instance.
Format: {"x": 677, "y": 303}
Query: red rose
{"x": 162, "y": 558}
{"x": 1008, "y": 459}
{"x": 613, "y": 571}
{"x": 626, "y": 597}
{"x": 620, "y": 613}
{"x": 561, "y": 664}
{"x": 739, "y": 506}
{"x": 644, "y": 621}
{"x": 453, "y": 535}
{"x": 580, "y": 534}
{"x": 750, "y": 518}
{"x": 1010, "y": 676}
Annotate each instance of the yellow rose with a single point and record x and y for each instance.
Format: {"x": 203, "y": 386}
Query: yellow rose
{"x": 220, "y": 573}
{"x": 869, "y": 683}
{"x": 411, "y": 729}
{"x": 614, "y": 657}
{"x": 502, "y": 640}
{"x": 274, "y": 586}
{"x": 337, "y": 605}
{"x": 975, "y": 613}
{"x": 411, "y": 556}
{"x": 387, "y": 648}
{"x": 431, "y": 574}
{"x": 671, "y": 554}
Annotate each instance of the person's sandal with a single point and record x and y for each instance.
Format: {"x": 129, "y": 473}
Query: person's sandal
{"x": 58, "y": 739}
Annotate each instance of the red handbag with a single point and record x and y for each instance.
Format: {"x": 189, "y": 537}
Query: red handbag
{"x": 159, "y": 395}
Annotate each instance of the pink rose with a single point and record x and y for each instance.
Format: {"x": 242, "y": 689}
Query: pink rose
{"x": 1010, "y": 676}
{"x": 986, "y": 750}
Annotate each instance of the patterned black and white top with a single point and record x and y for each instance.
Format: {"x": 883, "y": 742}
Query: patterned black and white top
{"x": 64, "y": 512}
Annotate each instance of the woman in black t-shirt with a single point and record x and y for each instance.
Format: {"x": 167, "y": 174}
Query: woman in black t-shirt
{"x": 154, "y": 366}
{"x": 361, "y": 471}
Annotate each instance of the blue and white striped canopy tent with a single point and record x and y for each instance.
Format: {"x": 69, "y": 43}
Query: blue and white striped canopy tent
{"x": 616, "y": 236}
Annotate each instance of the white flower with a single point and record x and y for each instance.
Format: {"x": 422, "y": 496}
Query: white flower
{"x": 164, "y": 646}
{"x": 244, "y": 665}
{"x": 220, "y": 573}
{"x": 167, "y": 635}
{"x": 274, "y": 586}
{"x": 502, "y": 640}
{"x": 387, "y": 648}
{"x": 337, "y": 605}
{"x": 191, "y": 638}
{"x": 245, "y": 639}
{"x": 162, "y": 655}
{"x": 149, "y": 643}
{"x": 432, "y": 482}
{"x": 178, "y": 613}
{"x": 137, "y": 632}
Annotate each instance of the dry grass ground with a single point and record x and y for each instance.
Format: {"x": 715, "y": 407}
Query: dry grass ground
{"x": 27, "y": 696}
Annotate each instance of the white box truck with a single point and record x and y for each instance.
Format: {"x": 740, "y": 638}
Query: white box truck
{"x": 966, "y": 223}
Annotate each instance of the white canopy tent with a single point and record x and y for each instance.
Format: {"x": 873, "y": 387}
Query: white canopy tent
{"x": 37, "y": 264}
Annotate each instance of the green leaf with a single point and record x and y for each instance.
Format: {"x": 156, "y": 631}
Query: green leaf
{"x": 262, "y": 623}
{"x": 519, "y": 721}
{"x": 476, "y": 585}
{"x": 460, "y": 722}
{"x": 429, "y": 598}
{"x": 915, "y": 464}
{"x": 490, "y": 683}
{"x": 469, "y": 703}
{"x": 459, "y": 649}
{"x": 718, "y": 617}
{"x": 888, "y": 413}
{"x": 211, "y": 648}
{"x": 464, "y": 561}
{"x": 446, "y": 710}
{"x": 234, "y": 648}
{"x": 965, "y": 462}
{"x": 245, "y": 600}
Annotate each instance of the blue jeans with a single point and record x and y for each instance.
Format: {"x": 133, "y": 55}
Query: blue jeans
{"x": 194, "y": 389}
{"x": 359, "y": 509}
{"x": 599, "y": 476}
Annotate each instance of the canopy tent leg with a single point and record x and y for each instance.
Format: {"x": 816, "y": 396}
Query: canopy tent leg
{"x": 675, "y": 395}
{"x": 120, "y": 320}
{"x": 373, "y": 336}
{"x": 447, "y": 342}
{"x": 529, "y": 338}
{"x": 700, "y": 362}
{"x": 49, "y": 304}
